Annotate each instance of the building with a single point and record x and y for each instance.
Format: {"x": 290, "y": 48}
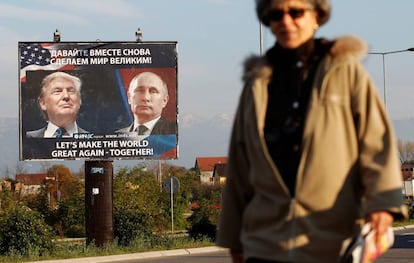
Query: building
{"x": 219, "y": 173}
{"x": 205, "y": 166}
{"x": 31, "y": 183}
{"x": 407, "y": 171}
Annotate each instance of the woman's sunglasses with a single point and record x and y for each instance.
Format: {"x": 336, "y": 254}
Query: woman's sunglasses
{"x": 278, "y": 14}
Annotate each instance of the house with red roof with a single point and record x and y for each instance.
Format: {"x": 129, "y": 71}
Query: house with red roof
{"x": 205, "y": 167}
{"x": 31, "y": 183}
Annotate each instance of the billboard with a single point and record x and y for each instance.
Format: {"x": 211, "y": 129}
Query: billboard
{"x": 98, "y": 100}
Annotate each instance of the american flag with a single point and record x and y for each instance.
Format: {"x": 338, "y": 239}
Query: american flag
{"x": 35, "y": 56}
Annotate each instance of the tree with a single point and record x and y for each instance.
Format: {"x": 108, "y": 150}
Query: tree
{"x": 61, "y": 201}
{"x": 7, "y": 200}
{"x": 61, "y": 183}
{"x": 136, "y": 198}
{"x": 71, "y": 213}
{"x": 138, "y": 191}
{"x": 406, "y": 151}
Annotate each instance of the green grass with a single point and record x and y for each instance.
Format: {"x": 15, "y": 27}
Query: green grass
{"x": 77, "y": 250}
{"x": 404, "y": 223}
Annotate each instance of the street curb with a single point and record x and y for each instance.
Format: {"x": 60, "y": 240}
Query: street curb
{"x": 403, "y": 227}
{"x": 152, "y": 254}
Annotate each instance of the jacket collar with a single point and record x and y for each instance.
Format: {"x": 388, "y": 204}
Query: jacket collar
{"x": 258, "y": 66}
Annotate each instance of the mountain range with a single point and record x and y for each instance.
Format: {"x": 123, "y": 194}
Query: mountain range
{"x": 198, "y": 137}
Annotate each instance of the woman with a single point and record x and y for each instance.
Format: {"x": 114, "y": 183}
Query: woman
{"x": 312, "y": 151}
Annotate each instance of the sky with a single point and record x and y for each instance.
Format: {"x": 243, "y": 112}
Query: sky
{"x": 214, "y": 37}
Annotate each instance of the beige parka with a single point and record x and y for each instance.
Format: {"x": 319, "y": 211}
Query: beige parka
{"x": 349, "y": 166}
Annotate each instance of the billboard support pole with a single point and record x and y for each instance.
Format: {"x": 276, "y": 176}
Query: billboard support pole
{"x": 99, "y": 202}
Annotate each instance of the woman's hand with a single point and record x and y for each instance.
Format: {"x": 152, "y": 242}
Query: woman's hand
{"x": 380, "y": 222}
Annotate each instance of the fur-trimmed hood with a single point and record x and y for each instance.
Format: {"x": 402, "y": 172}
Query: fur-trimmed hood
{"x": 343, "y": 46}
{"x": 349, "y": 45}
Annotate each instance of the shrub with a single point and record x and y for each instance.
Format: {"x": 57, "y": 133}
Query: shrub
{"x": 24, "y": 232}
{"x": 203, "y": 228}
{"x": 75, "y": 231}
{"x": 201, "y": 221}
{"x": 129, "y": 225}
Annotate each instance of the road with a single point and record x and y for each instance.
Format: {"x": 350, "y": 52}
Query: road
{"x": 401, "y": 252}
{"x": 211, "y": 257}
